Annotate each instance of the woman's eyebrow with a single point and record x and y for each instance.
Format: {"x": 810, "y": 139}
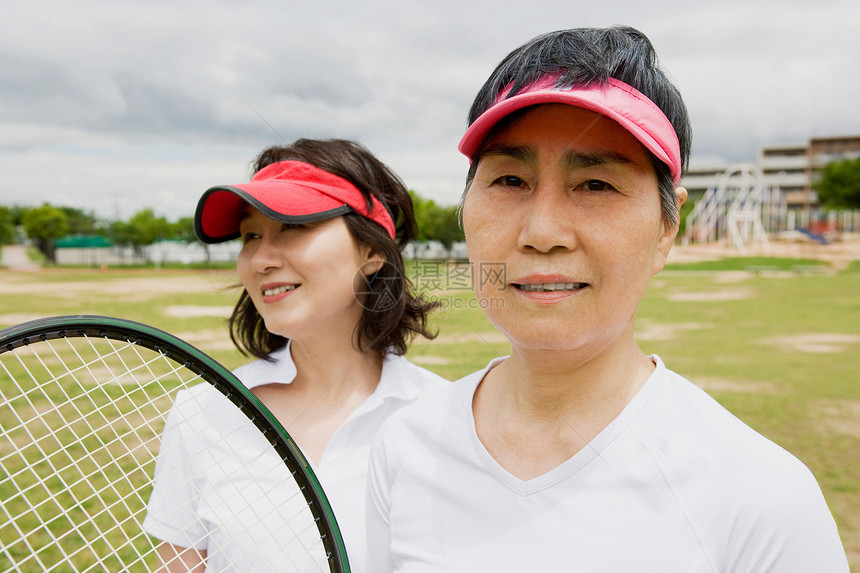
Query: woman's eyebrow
{"x": 572, "y": 159}
{"x": 519, "y": 152}
{"x": 244, "y": 214}
{"x": 579, "y": 159}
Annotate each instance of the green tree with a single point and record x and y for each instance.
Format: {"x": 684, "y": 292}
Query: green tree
{"x": 420, "y": 209}
{"x": 183, "y": 230}
{"x": 7, "y": 226}
{"x": 839, "y": 185}
{"x": 445, "y": 225}
{"x": 82, "y": 222}
{"x": 436, "y": 222}
{"x": 144, "y": 228}
{"x": 119, "y": 232}
{"x": 44, "y": 225}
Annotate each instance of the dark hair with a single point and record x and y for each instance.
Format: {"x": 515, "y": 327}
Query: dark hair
{"x": 392, "y": 315}
{"x": 589, "y": 56}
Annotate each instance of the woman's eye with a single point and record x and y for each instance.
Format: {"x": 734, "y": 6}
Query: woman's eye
{"x": 291, "y": 226}
{"x": 248, "y": 237}
{"x": 510, "y": 181}
{"x": 597, "y": 185}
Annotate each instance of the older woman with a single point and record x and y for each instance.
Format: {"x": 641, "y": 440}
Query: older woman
{"x": 578, "y": 452}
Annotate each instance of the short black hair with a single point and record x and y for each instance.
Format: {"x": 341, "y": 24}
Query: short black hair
{"x": 590, "y": 56}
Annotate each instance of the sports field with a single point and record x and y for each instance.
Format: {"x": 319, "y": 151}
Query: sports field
{"x": 777, "y": 341}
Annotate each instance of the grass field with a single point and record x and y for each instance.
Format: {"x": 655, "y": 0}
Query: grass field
{"x": 776, "y": 341}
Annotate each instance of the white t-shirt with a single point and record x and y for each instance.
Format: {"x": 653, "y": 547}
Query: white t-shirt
{"x": 674, "y": 484}
{"x": 227, "y": 508}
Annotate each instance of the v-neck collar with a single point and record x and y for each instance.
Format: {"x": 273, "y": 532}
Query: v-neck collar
{"x": 582, "y": 458}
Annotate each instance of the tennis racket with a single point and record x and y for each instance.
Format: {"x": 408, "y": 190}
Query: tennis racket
{"x": 123, "y": 448}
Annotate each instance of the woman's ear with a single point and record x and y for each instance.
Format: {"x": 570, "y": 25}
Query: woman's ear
{"x": 372, "y": 263}
{"x": 681, "y": 194}
{"x": 669, "y": 233}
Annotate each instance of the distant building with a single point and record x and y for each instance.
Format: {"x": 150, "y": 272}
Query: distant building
{"x": 84, "y": 250}
{"x": 793, "y": 169}
{"x": 786, "y": 167}
{"x": 701, "y": 177}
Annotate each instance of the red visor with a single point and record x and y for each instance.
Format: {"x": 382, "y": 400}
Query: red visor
{"x": 615, "y": 100}
{"x": 288, "y": 191}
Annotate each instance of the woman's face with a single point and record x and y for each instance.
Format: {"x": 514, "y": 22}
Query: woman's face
{"x": 303, "y": 278}
{"x": 567, "y": 202}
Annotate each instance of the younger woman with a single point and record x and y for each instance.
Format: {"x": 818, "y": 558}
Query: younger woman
{"x": 326, "y": 311}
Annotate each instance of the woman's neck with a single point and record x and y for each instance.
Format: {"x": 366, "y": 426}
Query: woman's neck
{"x": 538, "y": 408}
{"x": 333, "y": 368}
{"x": 332, "y": 380}
{"x": 545, "y": 383}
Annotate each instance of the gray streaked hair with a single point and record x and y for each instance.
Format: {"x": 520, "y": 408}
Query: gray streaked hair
{"x": 588, "y": 56}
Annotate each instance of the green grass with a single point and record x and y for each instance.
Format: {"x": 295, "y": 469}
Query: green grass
{"x": 749, "y": 264}
{"x": 780, "y": 350}
{"x": 787, "y": 356}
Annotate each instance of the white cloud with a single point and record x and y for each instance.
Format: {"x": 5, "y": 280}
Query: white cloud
{"x": 155, "y": 101}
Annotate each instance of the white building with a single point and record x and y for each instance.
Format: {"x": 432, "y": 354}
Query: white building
{"x": 793, "y": 169}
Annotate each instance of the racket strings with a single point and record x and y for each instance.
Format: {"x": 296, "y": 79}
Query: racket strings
{"x": 83, "y": 435}
{"x": 63, "y": 413}
{"x": 276, "y": 501}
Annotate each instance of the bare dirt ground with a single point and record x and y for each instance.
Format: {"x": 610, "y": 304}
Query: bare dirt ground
{"x": 137, "y": 289}
{"x": 838, "y": 253}
{"x": 15, "y": 257}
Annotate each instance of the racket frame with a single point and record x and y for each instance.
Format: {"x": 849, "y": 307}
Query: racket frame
{"x": 210, "y": 370}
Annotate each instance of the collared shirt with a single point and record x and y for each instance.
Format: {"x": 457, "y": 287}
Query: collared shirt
{"x": 216, "y": 516}
{"x": 342, "y": 470}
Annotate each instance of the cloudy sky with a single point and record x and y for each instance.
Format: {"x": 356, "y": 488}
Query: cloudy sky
{"x": 115, "y": 106}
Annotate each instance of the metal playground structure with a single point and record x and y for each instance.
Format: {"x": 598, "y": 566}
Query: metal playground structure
{"x": 743, "y": 211}
{"x": 740, "y": 210}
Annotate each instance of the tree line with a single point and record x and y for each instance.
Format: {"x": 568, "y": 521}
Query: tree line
{"x": 46, "y": 224}
{"x": 838, "y": 187}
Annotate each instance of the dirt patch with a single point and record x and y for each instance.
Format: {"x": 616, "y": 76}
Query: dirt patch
{"x": 191, "y": 311}
{"x": 842, "y": 416}
{"x": 648, "y": 330}
{"x": 815, "y": 343}
{"x": 429, "y": 360}
{"x": 133, "y": 288}
{"x": 142, "y": 289}
{"x": 208, "y": 340}
{"x": 839, "y": 254}
{"x": 741, "y": 293}
{"x": 738, "y": 386}
{"x": 69, "y": 289}
{"x": 13, "y": 319}
{"x": 730, "y": 277}
{"x": 486, "y": 337}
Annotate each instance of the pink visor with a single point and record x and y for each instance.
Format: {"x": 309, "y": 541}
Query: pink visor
{"x": 615, "y": 100}
{"x": 287, "y": 191}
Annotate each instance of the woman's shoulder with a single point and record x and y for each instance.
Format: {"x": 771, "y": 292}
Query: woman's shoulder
{"x": 685, "y": 413}
{"x": 279, "y": 367}
{"x": 694, "y": 438}
{"x": 411, "y": 373}
{"x": 745, "y": 492}
{"x": 443, "y": 406}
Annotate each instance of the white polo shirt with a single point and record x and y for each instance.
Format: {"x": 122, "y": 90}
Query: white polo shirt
{"x": 222, "y": 508}
{"x": 675, "y": 484}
